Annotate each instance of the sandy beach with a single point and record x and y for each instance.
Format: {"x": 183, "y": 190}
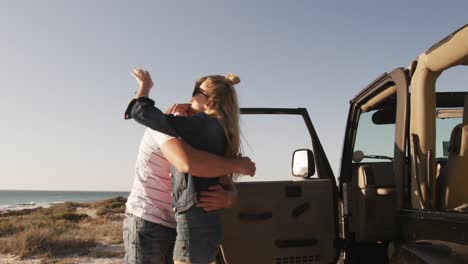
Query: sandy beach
{"x": 64, "y": 233}
{"x": 7, "y": 259}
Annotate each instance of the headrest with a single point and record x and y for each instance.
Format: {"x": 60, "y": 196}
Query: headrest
{"x": 465, "y": 110}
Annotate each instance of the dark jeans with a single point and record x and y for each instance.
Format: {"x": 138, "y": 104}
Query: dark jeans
{"x": 147, "y": 242}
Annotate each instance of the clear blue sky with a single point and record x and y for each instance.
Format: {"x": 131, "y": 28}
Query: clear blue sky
{"x": 64, "y": 71}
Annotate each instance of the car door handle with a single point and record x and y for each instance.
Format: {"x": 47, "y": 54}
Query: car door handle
{"x": 255, "y": 217}
{"x": 308, "y": 242}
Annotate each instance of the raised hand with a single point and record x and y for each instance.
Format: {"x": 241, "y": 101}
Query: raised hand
{"x": 145, "y": 83}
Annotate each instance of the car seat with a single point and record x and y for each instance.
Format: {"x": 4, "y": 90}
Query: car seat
{"x": 453, "y": 180}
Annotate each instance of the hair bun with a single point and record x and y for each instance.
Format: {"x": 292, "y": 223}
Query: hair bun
{"x": 234, "y": 79}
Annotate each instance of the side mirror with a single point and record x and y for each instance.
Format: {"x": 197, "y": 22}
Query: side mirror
{"x": 303, "y": 164}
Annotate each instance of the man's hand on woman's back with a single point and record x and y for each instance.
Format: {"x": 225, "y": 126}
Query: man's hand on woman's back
{"x": 217, "y": 198}
{"x": 245, "y": 166}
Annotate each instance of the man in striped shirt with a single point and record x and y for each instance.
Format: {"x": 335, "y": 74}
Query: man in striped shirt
{"x": 149, "y": 224}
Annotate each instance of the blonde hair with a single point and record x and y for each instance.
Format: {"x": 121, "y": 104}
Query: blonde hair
{"x": 226, "y": 109}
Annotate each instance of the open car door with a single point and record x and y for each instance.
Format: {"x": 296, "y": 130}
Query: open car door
{"x": 287, "y": 221}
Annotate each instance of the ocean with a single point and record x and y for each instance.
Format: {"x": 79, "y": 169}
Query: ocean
{"x": 17, "y": 200}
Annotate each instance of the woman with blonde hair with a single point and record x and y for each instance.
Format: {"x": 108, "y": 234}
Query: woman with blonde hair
{"x": 215, "y": 129}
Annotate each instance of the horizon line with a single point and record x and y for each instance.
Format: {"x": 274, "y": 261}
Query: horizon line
{"x": 30, "y": 190}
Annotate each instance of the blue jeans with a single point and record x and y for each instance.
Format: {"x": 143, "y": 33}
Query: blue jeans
{"x": 147, "y": 242}
{"x": 198, "y": 236}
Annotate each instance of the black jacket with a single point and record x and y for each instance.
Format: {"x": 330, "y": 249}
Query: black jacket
{"x": 200, "y": 131}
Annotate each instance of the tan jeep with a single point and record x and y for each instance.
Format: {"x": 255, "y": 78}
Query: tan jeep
{"x": 403, "y": 185}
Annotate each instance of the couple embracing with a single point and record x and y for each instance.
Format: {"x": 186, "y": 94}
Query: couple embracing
{"x": 187, "y": 162}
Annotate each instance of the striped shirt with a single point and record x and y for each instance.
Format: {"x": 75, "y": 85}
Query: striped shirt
{"x": 150, "y": 196}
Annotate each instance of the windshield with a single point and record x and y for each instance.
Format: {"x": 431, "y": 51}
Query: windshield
{"x": 376, "y": 141}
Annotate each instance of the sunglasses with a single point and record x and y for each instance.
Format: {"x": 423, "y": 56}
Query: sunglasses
{"x": 197, "y": 90}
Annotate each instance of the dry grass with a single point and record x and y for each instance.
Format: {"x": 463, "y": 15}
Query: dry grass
{"x": 60, "y": 231}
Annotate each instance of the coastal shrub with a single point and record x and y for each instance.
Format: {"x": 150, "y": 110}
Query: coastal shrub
{"x": 116, "y": 205}
{"x": 115, "y": 216}
{"x": 103, "y": 211}
{"x": 67, "y": 245}
{"x": 35, "y": 241}
{"x": 73, "y": 217}
{"x": 116, "y": 201}
{"x": 59, "y": 231}
{"x": 58, "y": 225}
{"x": 108, "y": 210}
{"x": 28, "y": 242}
{"x": 120, "y": 209}
{"x": 54, "y": 211}
{"x": 69, "y": 204}
{"x": 107, "y": 253}
{"x": 111, "y": 231}
{"x": 120, "y": 199}
{"x": 18, "y": 213}
{"x": 9, "y": 227}
{"x": 66, "y": 207}
{"x": 38, "y": 240}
